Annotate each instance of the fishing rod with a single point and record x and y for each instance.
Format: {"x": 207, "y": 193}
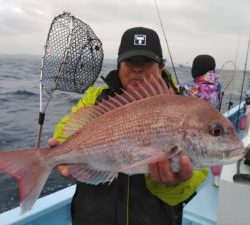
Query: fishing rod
{"x": 243, "y": 81}
{"x": 165, "y": 37}
{"x": 228, "y": 83}
{"x": 240, "y": 177}
{"x": 230, "y": 102}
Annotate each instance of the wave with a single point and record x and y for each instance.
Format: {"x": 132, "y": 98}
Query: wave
{"x": 4, "y": 77}
{"x": 22, "y": 93}
{"x": 2, "y": 100}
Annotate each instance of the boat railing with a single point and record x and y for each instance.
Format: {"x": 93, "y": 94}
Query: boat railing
{"x": 53, "y": 209}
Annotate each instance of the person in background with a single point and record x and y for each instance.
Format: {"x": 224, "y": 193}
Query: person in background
{"x": 138, "y": 199}
{"x": 206, "y": 84}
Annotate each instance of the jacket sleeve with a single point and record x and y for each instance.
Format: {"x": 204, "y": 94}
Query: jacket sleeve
{"x": 175, "y": 194}
{"x": 88, "y": 99}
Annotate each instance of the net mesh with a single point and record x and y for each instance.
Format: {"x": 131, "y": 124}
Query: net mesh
{"x": 73, "y": 56}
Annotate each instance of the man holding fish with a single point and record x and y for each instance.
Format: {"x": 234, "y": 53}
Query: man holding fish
{"x": 117, "y": 134}
{"x": 139, "y": 56}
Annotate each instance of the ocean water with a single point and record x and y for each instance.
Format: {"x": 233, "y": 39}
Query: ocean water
{"x": 19, "y": 107}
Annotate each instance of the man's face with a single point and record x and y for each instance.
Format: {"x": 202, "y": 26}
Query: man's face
{"x": 133, "y": 70}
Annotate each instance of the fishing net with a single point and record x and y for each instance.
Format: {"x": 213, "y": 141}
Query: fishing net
{"x": 73, "y": 56}
{"x": 72, "y": 60}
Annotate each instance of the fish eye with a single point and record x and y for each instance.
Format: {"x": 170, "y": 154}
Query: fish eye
{"x": 215, "y": 129}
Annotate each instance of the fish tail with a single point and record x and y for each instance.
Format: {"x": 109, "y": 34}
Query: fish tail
{"x": 30, "y": 170}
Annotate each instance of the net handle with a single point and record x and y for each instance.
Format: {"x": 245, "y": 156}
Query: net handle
{"x": 41, "y": 109}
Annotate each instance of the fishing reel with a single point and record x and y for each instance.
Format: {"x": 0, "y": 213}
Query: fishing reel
{"x": 247, "y": 99}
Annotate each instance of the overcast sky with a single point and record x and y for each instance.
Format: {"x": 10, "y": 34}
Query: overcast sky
{"x": 216, "y": 27}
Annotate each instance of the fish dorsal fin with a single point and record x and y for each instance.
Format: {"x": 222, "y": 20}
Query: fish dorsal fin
{"x": 78, "y": 119}
{"x": 149, "y": 87}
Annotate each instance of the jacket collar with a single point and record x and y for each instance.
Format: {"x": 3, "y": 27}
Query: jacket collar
{"x": 113, "y": 81}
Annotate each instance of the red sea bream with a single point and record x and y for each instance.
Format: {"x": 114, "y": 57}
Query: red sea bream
{"x": 124, "y": 134}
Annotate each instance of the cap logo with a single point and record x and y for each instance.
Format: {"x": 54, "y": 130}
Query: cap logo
{"x": 140, "y": 39}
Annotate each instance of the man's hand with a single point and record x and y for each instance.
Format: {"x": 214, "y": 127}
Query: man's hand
{"x": 62, "y": 169}
{"x": 162, "y": 172}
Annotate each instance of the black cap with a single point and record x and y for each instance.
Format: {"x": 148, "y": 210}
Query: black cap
{"x": 202, "y": 64}
{"x": 140, "y": 41}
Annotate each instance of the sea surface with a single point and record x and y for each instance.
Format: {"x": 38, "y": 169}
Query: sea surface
{"x": 19, "y": 109}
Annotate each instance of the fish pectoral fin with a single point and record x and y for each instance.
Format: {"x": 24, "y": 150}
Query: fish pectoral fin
{"x": 147, "y": 155}
{"x": 135, "y": 167}
{"x": 174, "y": 154}
{"x": 173, "y": 150}
{"x": 84, "y": 174}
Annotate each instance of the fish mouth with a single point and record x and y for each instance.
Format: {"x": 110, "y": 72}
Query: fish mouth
{"x": 234, "y": 154}
{"x": 229, "y": 156}
{"x": 221, "y": 158}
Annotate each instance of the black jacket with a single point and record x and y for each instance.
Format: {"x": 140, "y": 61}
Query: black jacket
{"x": 126, "y": 201}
